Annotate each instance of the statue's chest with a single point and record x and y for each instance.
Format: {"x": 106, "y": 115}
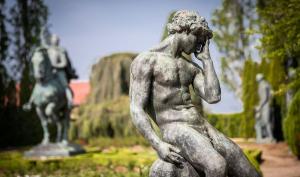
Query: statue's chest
{"x": 170, "y": 71}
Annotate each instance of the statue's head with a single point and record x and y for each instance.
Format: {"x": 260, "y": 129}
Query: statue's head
{"x": 193, "y": 26}
{"x": 189, "y": 21}
{"x": 259, "y": 77}
{"x": 54, "y": 40}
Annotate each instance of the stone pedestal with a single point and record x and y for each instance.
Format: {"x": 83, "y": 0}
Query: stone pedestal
{"x": 53, "y": 150}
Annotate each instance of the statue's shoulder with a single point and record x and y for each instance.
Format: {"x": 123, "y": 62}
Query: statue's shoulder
{"x": 62, "y": 49}
{"x": 40, "y": 49}
{"x": 58, "y": 48}
{"x": 147, "y": 57}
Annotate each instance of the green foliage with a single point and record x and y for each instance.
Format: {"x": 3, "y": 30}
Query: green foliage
{"x": 254, "y": 156}
{"x": 250, "y": 98}
{"x": 110, "y": 162}
{"x": 291, "y": 125}
{"x": 229, "y": 124}
{"x": 25, "y": 20}
{"x": 133, "y": 161}
{"x": 106, "y": 142}
{"x": 233, "y": 21}
{"x": 280, "y": 48}
{"x": 110, "y": 77}
{"x": 280, "y": 42}
{"x": 107, "y": 119}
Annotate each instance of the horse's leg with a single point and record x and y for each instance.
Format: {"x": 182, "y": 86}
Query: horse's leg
{"x": 66, "y": 124}
{"x": 59, "y": 130}
{"x": 44, "y": 124}
{"x": 52, "y": 111}
{"x": 58, "y": 122}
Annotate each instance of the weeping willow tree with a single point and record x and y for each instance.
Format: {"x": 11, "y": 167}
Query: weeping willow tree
{"x": 280, "y": 28}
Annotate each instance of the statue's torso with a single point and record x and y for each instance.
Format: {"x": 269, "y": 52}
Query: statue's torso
{"x": 170, "y": 94}
{"x": 56, "y": 56}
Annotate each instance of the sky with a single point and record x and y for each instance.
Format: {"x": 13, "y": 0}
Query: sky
{"x": 92, "y": 29}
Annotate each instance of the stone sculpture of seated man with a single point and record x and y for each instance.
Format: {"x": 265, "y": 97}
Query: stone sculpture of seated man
{"x": 159, "y": 84}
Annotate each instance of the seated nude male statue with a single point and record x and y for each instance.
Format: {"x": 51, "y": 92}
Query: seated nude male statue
{"x": 159, "y": 88}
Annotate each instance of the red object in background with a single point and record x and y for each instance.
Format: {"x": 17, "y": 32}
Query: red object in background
{"x": 81, "y": 90}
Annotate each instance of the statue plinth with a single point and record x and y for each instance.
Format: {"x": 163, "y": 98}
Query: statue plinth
{"x": 53, "y": 150}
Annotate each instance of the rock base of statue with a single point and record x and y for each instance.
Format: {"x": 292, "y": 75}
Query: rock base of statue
{"x": 161, "y": 168}
{"x": 53, "y": 150}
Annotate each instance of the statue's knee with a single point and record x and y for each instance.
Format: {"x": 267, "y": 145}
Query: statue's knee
{"x": 50, "y": 109}
{"x": 217, "y": 167}
{"x": 161, "y": 168}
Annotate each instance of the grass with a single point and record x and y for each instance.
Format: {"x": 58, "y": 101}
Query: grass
{"x": 121, "y": 161}
{"x": 110, "y": 159}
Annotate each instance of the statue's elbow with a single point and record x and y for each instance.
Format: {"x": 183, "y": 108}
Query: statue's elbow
{"x": 136, "y": 112}
{"x": 214, "y": 99}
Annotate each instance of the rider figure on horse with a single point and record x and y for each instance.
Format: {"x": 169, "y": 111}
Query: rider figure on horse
{"x": 51, "y": 94}
{"x": 61, "y": 65}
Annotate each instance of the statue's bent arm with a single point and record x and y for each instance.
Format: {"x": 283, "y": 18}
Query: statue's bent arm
{"x": 264, "y": 102}
{"x": 63, "y": 62}
{"x": 140, "y": 84}
{"x": 206, "y": 83}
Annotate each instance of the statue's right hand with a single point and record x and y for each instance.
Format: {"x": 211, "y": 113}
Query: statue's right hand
{"x": 169, "y": 153}
{"x": 27, "y": 107}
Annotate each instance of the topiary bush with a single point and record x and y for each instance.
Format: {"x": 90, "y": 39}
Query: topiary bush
{"x": 229, "y": 124}
{"x": 291, "y": 125}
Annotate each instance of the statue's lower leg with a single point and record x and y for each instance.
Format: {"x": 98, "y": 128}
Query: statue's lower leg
{"x": 58, "y": 132}
{"x": 44, "y": 124}
{"x": 69, "y": 97}
{"x": 46, "y": 133}
{"x": 66, "y": 123}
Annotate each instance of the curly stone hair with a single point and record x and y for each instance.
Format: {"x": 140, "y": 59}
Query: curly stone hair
{"x": 189, "y": 21}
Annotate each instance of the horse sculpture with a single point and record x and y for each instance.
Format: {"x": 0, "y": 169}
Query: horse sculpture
{"x": 49, "y": 98}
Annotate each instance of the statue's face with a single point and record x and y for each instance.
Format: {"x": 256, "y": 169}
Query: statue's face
{"x": 54, "y": 40}
{"x": 192, "y": 42}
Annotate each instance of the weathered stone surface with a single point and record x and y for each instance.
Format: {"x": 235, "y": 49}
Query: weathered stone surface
{"x": 263, "y": 124}
{"x": 51, "y": 95}
{"x": 159, "y": 82}
{"x": 161, "y": 168}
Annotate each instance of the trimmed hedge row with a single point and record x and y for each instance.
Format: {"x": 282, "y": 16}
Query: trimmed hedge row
{"x": 229, "y": 124}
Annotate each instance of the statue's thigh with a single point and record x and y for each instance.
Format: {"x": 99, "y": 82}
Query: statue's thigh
{"x": 195, "y": 148}
{"x": 226, "y": 147}
{"x": 237, "y": 163}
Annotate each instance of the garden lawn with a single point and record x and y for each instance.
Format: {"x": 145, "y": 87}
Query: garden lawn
{"x": 111, "y": 161}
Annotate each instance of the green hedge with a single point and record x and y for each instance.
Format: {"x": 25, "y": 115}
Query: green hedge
{"x": 108, "y": 119}
{"x": 112, "y": 119}
{"x": 229, "y": 124}
{"x": 291, "y": 125}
